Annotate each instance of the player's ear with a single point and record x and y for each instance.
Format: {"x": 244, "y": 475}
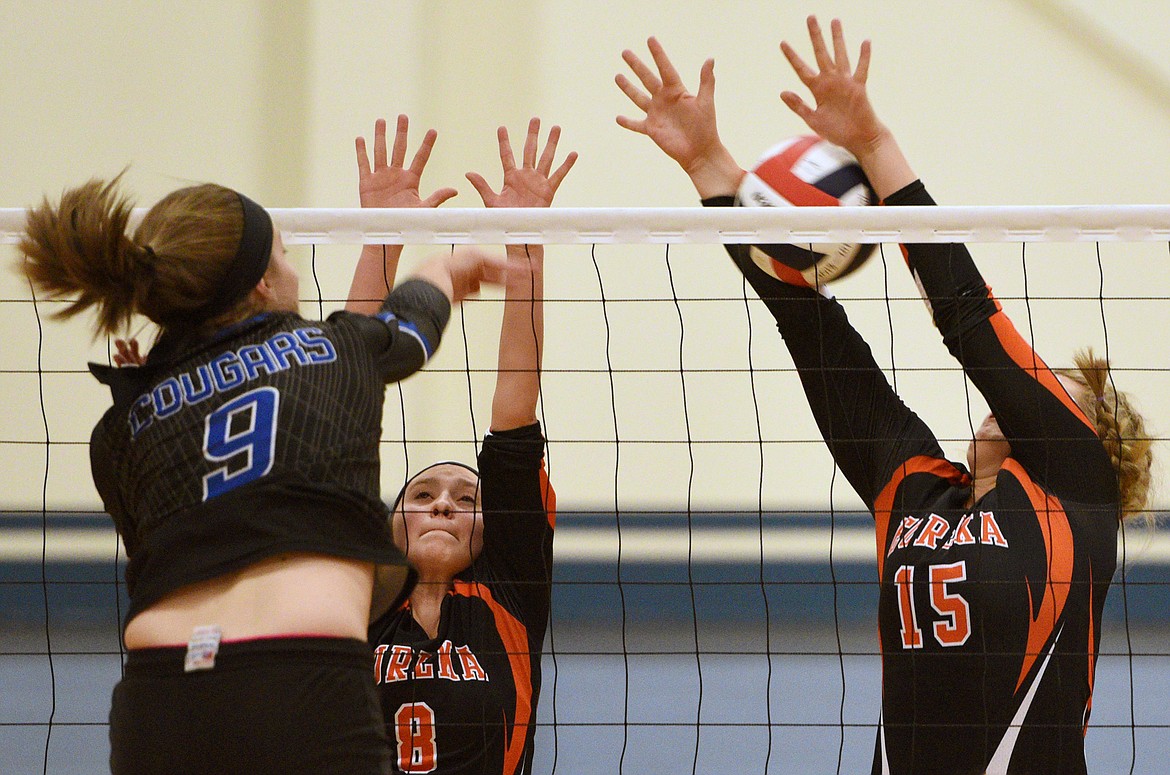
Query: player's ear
{"x": 263, "y": 291}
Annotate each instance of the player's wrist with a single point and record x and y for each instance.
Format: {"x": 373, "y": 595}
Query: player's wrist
{"x": 717, "y": 174}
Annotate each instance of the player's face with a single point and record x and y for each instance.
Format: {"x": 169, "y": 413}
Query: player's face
{"x": 281, "y": 277}
{"x": 439, "y": 524}
{"x": 990, "y": 448}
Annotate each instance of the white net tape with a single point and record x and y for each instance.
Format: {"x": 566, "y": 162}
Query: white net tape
{"x": 801, "y": 225}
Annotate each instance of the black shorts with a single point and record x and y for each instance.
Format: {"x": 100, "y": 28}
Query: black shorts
{"x": 276, "y": 705}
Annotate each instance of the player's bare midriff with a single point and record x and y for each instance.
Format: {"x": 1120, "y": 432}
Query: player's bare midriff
{"x": 289, "y": 594}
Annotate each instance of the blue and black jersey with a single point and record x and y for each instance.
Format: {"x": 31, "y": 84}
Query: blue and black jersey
{"x": 259, "y": 440}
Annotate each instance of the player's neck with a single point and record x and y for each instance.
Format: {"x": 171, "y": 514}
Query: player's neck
{"x": 426, "y": 604}
{"x": 980, "y": 487}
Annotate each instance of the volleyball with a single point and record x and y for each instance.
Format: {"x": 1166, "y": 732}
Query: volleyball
{"x": 806, "y": 171}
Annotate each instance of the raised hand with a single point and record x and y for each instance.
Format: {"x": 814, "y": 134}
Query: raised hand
{"x": 388, "y": 183}
{"x": 460, "y": 273}
{"x": 843, "y": 114}
{"x": 682, "y": 124}
{"x": 534, "y": 183}
{"x": 127, "y": 353}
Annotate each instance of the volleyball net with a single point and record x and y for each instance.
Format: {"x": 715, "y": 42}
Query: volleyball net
{"x": 715, "y": 576}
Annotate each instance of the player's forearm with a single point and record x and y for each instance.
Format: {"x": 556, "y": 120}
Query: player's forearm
{"x": 885, "y": 165}
{"x": 717, "y": 174}
{"x": 414, "y": 314}
{"x": 853, "y": 404}
{"x": 958, "y": 296}
{"x": 373, "y": 278}
{"x": 521, "y": 340}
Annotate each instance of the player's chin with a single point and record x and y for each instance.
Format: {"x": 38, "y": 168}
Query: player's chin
{"x": 984, "y": 453}
{"x": 440, "y": 536}
{"x": 439, "y": 549}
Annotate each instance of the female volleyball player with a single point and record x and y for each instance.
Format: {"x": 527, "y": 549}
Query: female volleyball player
{"x": 992, "y": 576}
{"x": 240, "y": 465}
{"x": 458, "y": 665}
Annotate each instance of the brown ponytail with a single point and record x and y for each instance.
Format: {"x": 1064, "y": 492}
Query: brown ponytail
{"x": 80, "y": 251}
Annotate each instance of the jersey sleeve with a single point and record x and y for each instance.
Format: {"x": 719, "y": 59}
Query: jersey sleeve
{"x": 519, "y": 514}
{"x": 1048, "y": 434}
{"x": 868, "y": 429}
{"x": 406, "y": 331}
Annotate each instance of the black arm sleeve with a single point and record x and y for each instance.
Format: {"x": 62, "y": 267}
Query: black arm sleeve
{"x": 868, "y": 429}
{"x": 518, "y": 514}
{"x": 1048, "y": 434}
{"x": 407, "y": 330}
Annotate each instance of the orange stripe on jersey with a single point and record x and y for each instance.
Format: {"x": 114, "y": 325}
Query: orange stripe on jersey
{"x": 515, "y": 638}
{"x": 1027, "y": 359}
{"x": 1058, "y": 548}
{"x": 883, "y": 504}
{"x": 1090, "y": 652}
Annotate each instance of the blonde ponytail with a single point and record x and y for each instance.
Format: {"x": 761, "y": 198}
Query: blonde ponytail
{"x": 1121, "y": 428}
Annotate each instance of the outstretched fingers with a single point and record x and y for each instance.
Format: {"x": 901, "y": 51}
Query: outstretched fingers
{"x": 805, "y": 73}
{"x": 796, "y": 105}
{"x": 649, "y": 80}
{"x": 840, "y": 52}
{"x": 534, "y": 182}
{"x": 555, "y": 179}
{"x": 640, "y": 98}
{"x": 398, "y": 156}
{"x": 839, "y": 62}
{"x": 507, "y": 158}
{"x": 481, "y": 186}
{"x": 422, "y": 155}
{"x": 384, "y": 180}
{"x": 706, "y": 91}
{"x": 440, "y": 196}
{"x": 820, "y": 50}
{"x": 531, "y": 143}
{"x": 861, "y": 75}
{"x": 363, "y": 157}
{"x": 550, "y": 148}
{"x": 666, "y": 70}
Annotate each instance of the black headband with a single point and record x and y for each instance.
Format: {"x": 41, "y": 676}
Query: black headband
{"x": 246, "y": 268}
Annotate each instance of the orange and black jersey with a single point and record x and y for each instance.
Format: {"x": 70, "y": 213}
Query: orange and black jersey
{"x": 258, "y": 440}
{"x": 465, "y": 701}
{"x": 989, "y": 614}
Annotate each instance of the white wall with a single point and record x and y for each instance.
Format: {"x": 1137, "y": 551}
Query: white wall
{"x": 996, "y": 102}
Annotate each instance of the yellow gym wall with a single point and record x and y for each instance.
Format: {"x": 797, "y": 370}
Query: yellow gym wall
{"x": 1021, "y": 102}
